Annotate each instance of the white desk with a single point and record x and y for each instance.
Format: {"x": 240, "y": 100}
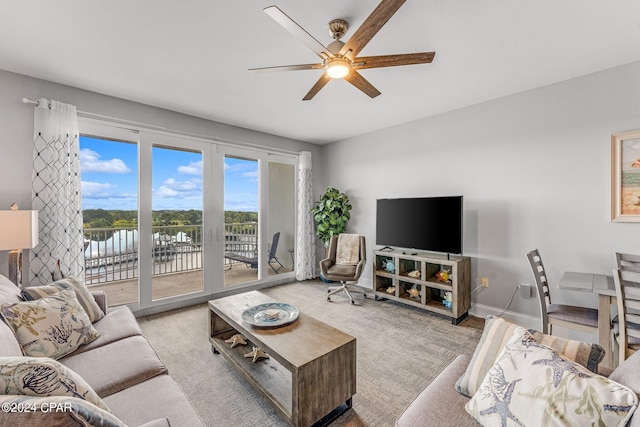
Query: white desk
{"x": 603, "y": 286}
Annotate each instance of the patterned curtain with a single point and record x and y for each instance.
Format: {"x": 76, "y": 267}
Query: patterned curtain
{"x": 305, "y": 245}
{"x": 56, "y": 193}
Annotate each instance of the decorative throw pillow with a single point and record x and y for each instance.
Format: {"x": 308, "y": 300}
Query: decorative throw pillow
{"x": 43, "y": 376}
{"x": 532, "y": 385}
{"x": 497, "y": 332}
{"x": 586, "y": 354}
{"x": 55, "y": 410}
{"x": 85, "y": 298}
{"x": 53, "y": 326}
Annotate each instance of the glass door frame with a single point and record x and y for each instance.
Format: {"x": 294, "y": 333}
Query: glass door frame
{"x": 149, "y": 139}
{"x": 260, "y": 157}
{"x": 263, "y": 158}
{"x": 213, "y": 202}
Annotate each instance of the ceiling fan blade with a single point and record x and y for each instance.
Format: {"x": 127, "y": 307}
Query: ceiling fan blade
{"x": 322, "y": 81}
{"x": 393, "y": 60}
{"x": 370, "y": 27}
{"x": 297, "y": 31}
{"x": 361, "y": 83}
{"x": 287, "y": 68}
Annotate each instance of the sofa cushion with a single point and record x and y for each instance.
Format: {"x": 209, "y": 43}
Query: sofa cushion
{"x": 43, "y": 376}
{"x": 497, "y": 333}
{"x": 160, "y": 422}
{"x": 158, "y": 397}
{"x": 532, "y": 385}
{"x": 440, "y": 405}
{"x": 49, "y": 327}
{"x": 58, "y": 411}
{"x": 85, "y": 298}
{"x": 117, "y": 324}
{"x": 117, "y": 366}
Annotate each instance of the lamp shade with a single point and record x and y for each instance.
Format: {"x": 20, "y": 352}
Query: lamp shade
{"x": 18, "y": 230}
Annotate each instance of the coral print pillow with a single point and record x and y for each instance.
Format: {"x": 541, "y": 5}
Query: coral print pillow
{"x": 42, "y": 376}
{"x": 531, "y": 385}
{"x": 49, "y": 327}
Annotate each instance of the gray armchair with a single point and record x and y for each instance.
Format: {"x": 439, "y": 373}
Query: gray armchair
{"x": 344, "y": 273}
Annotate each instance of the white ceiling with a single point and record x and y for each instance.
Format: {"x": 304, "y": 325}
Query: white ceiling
{"x": 192, "y": 56}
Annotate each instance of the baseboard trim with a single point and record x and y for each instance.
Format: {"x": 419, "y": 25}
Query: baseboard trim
{"x": 524, "y": 320}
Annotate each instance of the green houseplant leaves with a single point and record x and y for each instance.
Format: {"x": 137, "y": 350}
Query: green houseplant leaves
{"x": 331, "y": 214}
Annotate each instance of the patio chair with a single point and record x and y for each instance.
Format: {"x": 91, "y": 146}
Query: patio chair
{"x": 252, "y": 262}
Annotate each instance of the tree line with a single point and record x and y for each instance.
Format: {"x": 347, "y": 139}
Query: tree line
{"x": 103, "y": 218}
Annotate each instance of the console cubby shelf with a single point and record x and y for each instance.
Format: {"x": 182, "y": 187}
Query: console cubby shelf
{"x": 414, "y": 281}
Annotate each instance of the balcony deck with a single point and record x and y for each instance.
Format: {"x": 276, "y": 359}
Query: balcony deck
{"x": 121, "y": 292}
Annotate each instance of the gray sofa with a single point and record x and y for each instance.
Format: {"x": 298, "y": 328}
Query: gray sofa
{"x": 122, "y": 368}
{"x": 441, "y": 405}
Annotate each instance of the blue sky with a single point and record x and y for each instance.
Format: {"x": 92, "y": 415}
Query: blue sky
{"x": 110, "y": 174}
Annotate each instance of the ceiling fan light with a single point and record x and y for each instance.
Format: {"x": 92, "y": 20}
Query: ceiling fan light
{"x": 338, "y": 69}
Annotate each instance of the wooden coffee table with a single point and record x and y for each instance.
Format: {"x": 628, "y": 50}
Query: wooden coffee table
{"x": 310, "y": 377}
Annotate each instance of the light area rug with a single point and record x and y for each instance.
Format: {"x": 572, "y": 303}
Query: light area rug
{"x": 400, "y": 349}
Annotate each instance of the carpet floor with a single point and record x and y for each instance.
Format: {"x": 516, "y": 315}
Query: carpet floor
{"x": 400, "y": 349}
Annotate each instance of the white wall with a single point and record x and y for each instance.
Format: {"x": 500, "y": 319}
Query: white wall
{"x": 16, "y": 129}
{"x": 534, "y": 170}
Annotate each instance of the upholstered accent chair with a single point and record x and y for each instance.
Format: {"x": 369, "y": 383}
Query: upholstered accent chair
{"x": 567, "y": 316}
{"x": 347, "y": 272}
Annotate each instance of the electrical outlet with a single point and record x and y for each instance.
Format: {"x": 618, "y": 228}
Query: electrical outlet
{"x": 485, "y": 282}
{"x": 525, "y": 290}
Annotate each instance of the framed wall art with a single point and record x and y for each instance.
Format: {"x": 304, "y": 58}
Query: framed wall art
{"x": 625, "y": 176}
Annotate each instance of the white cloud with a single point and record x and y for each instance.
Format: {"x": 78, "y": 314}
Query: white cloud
{"x": 179, "y": 189}
{"x": 90, "y": 162}
{"x": 93, "y": 192}
{"x": 194, "y": 168}
{"x": 95, "y": 189}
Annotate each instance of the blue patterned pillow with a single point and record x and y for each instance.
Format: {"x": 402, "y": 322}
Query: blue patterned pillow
{"x": 53, "y": 326}
{"x": 530, "y": 384}
{"x": 43, "y": 376}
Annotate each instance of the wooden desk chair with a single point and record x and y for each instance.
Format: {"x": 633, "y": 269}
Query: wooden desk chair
{"x": 627, "y": 285}
{"x": 567, "y": 316}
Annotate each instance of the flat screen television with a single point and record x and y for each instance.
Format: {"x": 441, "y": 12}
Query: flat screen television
{"x": 424, "y": 223}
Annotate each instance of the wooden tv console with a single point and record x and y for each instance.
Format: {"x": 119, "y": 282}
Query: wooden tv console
{"x": 398, "y": 285}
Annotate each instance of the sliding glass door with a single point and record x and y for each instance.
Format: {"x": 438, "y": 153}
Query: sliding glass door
{"x": 175, "y": 201}
{"x": 242, "y": 241}
{"x": 170, "y": 218}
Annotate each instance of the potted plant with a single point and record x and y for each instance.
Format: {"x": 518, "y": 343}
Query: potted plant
{"x": 331, "y": 215}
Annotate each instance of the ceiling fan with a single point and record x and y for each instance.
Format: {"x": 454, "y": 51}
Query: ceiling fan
{"x": 339, "y": 59}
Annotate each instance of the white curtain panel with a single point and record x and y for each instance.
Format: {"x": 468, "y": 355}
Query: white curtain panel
{"x": 305, "y": 237}
{"x": 56, "y": 193}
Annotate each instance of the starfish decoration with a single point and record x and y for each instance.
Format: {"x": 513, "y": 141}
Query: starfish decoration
{"x": 560, "y": 366}
{"x": 257, "y": 354}
{"x": 237, "y": 339}
{"x": 501, "y": 406}
{"x": 84, "y": 331}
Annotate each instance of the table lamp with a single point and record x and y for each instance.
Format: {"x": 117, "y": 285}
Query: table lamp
{"x": 18, "y": 231}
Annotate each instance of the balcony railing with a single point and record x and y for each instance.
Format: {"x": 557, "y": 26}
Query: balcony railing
{"x": 111, "y": 254}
